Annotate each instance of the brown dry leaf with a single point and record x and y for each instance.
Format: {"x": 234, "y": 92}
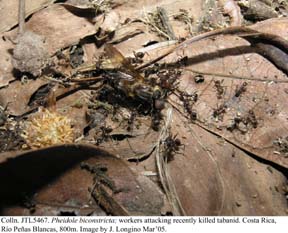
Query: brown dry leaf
{"x": 259, "y": 10}
{"x": 261, "y": 107}
{"x": 273, "y": 26}
{"x": 232, "y": 181}
{"x": 64, "y": 28}
{"x": 136, "y": 144}
{"x": 52, "y": 23}
{"x": 128, "y": 11}
{"x": 60, "y": 186}
{"x": 65, "y": 196}
{"x": 133, "y": 33}
{"x": 213, "y": 177}
{"x": 6, "y": 68}
{"x": 128, "y": 31}
{"x": 60, "y": 26}
{"x": 75, "y": 107}
{"x": 9, "y": 16}
{"x": 17, "y": 95}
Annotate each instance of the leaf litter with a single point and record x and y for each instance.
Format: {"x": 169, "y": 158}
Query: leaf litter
{"x": 149, "y": 113}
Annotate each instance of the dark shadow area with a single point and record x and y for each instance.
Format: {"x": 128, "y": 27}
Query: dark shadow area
{"x": 23, "y": 176}
{"x": 273, "y": 54}
{"x": 87, "y": 13}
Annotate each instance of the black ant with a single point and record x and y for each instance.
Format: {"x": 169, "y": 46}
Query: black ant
{"x": 137, "y": 59}
{"x": 156, "y": 118}
{"x": 105, "y": 131}
{"x": 168, "y": 80}
{"x": 172, "y": 145}
{"x": 219, "y": 88}
{"x": 152, "y": 70}
{"x": 219, "y": 112}
{"x": 241, "y": 89}
{"x": 250, "y": 118}
{"x": 188, "y": 102}
{"x": 131, "y": 120}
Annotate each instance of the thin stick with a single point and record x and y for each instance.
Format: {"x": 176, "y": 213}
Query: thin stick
{"x": 21, "y": 16}
{"x": 238, "y": 31}
{"x": 163, "y": 170}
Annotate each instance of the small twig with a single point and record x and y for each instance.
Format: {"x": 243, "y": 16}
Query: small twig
{"x": 163, "y": 170}
{"x": 165, "y": 23}
{"x": 85, "y": 80}
{"x": 237, "y": 31}
{"x": 159, "y": 45}
{"x": 21, "y": 16}
{"x": 156, "y": 28}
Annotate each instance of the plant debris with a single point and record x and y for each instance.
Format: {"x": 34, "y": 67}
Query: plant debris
{"x": 160, "y": 23}
{"x": 30, "y": 54}
{"x": 257, "y": 10}
{"x": 101, "y": 181}
{"x": 11, "y": 139}
{"x": 282, "y": 145}
{"x": 46, "y": 129}
{"x": 184, "y": 16}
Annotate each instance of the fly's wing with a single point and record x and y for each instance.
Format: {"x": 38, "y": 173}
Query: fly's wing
{"x": 116, "y": 61}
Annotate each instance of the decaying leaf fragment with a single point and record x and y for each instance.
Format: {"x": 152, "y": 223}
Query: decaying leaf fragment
{"x": 231, "y": 8}
{"x": 257, "y": 10}
{"x": 8, "y": 18}
{"x": 51, "y": 181}
{"x": 30, "y": 54}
